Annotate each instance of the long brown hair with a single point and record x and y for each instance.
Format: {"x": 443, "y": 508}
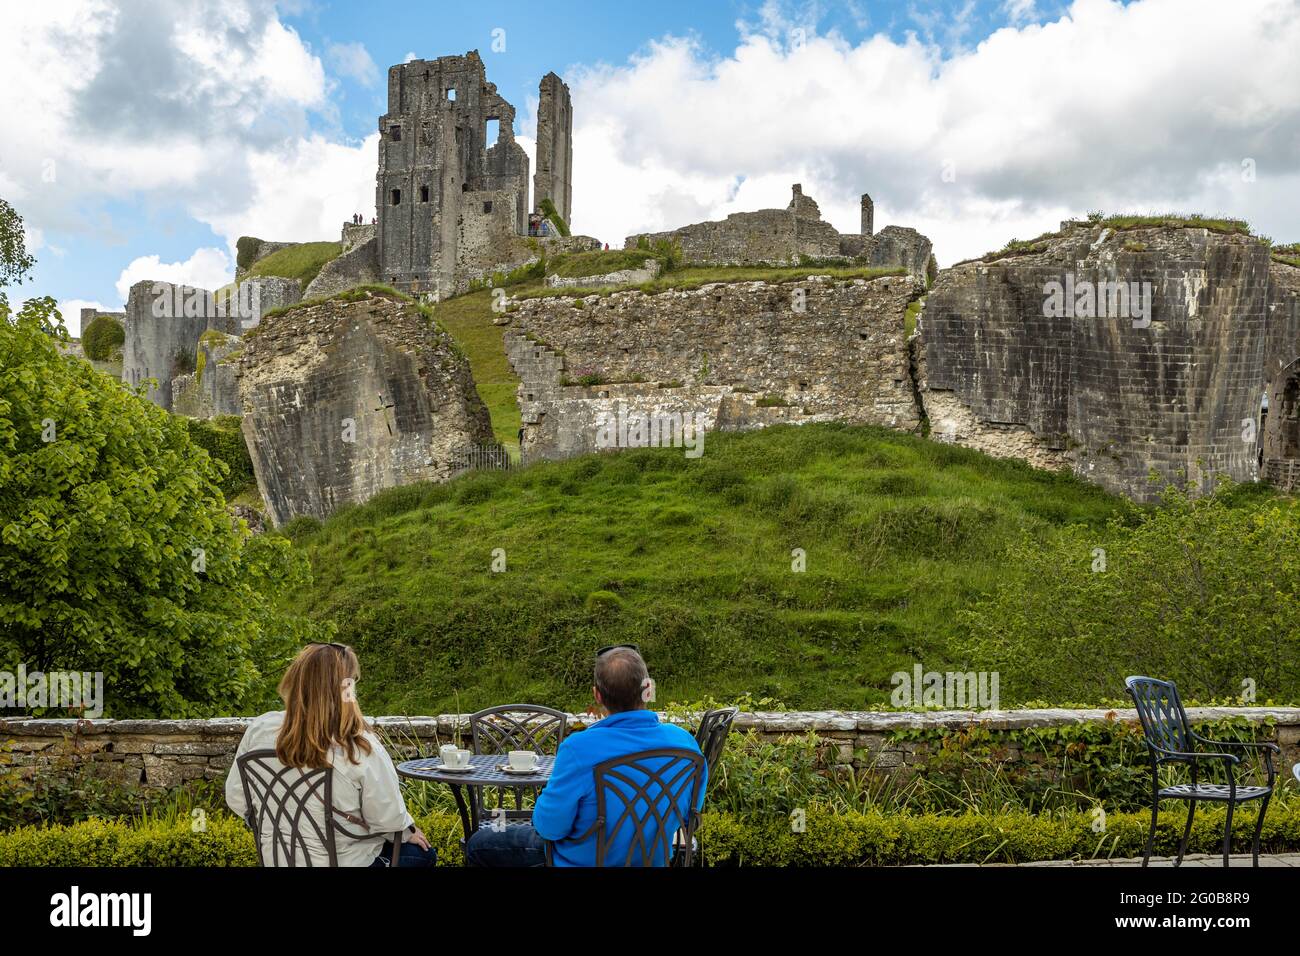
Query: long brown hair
{"x": 317, "y": 717}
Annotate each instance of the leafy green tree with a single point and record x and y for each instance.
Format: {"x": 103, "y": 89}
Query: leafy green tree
{"x": 117, "y": 553}
{"x": 15, "y": 262}
{"x": 1200, "y": 591}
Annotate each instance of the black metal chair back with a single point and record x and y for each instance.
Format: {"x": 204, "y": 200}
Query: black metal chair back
{"x": 498, "y": 730}
{"x": 287, "y": 804}
{"x": 712, "y": 733}
{"x": 1164, "y": 722}
{"x": 652, "y": 797}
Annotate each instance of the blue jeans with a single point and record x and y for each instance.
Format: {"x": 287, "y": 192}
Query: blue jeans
{"x": 513, "y": 846}
{"x": 412, "y": 855}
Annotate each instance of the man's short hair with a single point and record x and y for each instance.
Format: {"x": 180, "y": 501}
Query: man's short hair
{"x": 620, "y": 676}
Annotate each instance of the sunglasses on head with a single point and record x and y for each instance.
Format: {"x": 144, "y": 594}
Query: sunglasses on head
{"x": 615, "y": 647}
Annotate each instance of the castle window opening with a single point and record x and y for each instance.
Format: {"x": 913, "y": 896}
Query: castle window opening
{"x": 396, "y": 197}
{"x": 395, "y": 133}
{"x": 493, "y": 130}
{"x": 487, "y": 206}
{"x": 451, "y": 94}
{"x": 424, "y": 194}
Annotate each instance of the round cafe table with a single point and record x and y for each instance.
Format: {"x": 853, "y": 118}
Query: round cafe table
{"x": 484, "y": 772}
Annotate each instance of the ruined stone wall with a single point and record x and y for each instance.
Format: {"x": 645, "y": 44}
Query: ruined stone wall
{"x": 787, "y": 236}
{"x": 212, "y": 389}
{"x": 163, "y": 754}
{"x": 356, "y": 234}
{"x": 1111, "y": 400}
{"x": 358, "y": 266}
{"x": 344, "y": 398}
{"x": 741, "y": 355}
{"x": 488, "y": 238}
{"x": 160, "y": 338}
{"x": 554, "y": 177}
{"x": 775, "y": 236}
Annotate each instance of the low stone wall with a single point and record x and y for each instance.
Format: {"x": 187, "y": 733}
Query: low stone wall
{"x": 167, "y": 753}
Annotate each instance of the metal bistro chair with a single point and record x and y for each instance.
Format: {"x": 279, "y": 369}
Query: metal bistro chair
{"x": 287, "y": 810}
{"x": 646, "y": 791}
{"x": 501, "y": 729}
{"x": 711, "y": 735}
{"x": 1170, "y": 739}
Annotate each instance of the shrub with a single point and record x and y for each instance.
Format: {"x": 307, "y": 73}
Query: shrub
{"x": 820, "y": 837}
{"x": 553, "y": 214}
{"x": 102, "y": 337}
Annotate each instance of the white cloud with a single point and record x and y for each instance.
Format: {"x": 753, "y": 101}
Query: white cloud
{"x": 353, "y": 60}
{"x": 208, "y": 268}
{"x": 1148, "y": 106}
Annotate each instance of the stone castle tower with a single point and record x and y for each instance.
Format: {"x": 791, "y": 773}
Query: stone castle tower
{"x": 452, "y": 182}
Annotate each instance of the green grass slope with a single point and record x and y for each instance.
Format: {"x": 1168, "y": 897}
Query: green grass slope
{"x": 469, "y": 320}
{"x": 690, "y": 559}
{"x": 302, "y": 262}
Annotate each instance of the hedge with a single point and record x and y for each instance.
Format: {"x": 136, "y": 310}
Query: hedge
{"x": 102, "y": 337}
{"x": 829, "y": 839}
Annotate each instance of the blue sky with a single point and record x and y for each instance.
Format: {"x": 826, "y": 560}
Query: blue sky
{"x": 195, "y": 122}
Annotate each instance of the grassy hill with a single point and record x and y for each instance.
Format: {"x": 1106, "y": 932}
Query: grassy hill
{"x": 690, "y": 559}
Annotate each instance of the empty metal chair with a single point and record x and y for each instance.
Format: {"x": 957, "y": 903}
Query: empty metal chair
{"x": 1170, "y": 739}
{"x": 499, "y": 730}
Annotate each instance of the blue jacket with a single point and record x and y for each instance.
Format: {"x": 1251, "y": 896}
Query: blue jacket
{"x": 566, "y": 809}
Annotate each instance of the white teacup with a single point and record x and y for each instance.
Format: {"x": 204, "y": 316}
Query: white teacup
{"x": 456, "y": 758}
{"x": 446, "y": 749}
{"x": 522, "y": 760}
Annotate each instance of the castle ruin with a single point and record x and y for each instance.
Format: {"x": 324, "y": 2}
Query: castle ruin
{"x": 452, "y": 187}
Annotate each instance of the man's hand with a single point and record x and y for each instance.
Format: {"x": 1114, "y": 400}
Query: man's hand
{"x": 414, "y": 835}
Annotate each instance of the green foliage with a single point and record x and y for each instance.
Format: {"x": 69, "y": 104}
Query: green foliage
{"x": 828, "y": 838}
{"x": 302, "y": 262}
{"x": 931, "y": 271}
{"x": 246, "y": 251}
{"x": 900, "y": 534}
{"x": 103, "y": 501}
{"x": 598, "y": 262}
{"x": 102, "y": 338}
{"x": 1198, "y": 591}
{"x": 669, "y": 254}
{"x": 468, "y": 318}
{"x": 223, "y": 440}
{"x": 15, "y": 262}
{"x": 550, "y": 212}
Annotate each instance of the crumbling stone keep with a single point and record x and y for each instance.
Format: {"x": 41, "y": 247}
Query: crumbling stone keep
{"x": 452, "y": 186}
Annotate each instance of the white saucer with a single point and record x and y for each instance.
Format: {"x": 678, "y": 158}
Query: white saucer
{"x": 506, "y": 768}
{"x": 443, "y": 768}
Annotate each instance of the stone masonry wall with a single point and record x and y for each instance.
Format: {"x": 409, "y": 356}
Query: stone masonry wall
{"x": 716, "y": 351}
{"x": 1109, "y": 398}
{"x": 167, "y": 753}
{"x": 344, "y": 398}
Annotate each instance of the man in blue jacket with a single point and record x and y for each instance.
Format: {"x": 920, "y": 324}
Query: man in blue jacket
{"x": 566, "y": 808}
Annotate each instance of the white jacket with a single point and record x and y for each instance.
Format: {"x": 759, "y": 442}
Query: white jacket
{"x": 367, "y": 790}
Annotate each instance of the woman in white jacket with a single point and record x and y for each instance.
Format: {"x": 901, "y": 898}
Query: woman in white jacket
{"x": 322, "y": 726}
